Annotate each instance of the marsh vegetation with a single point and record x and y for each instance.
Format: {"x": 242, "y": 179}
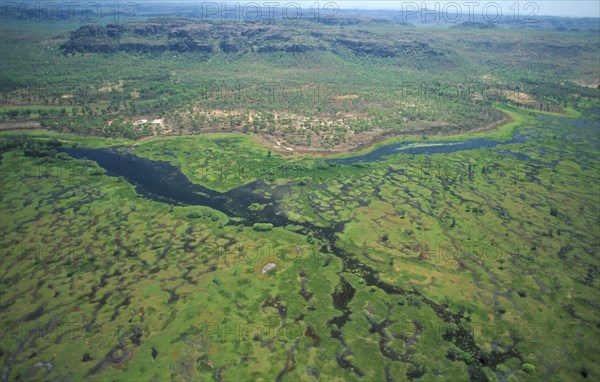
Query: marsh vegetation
{"x": 267, "y": 238}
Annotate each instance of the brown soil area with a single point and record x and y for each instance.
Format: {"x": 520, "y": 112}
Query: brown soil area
{"x": 355, "y": 142}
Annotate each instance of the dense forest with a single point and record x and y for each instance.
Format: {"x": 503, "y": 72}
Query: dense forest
{"x": 188, "y": 74}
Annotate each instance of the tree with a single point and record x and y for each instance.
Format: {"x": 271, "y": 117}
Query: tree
{"x": 416, "y": 368}
{"x": 449, "y": 330}
{"x": 453, "y": 353}
{"x": 196, "y": 126}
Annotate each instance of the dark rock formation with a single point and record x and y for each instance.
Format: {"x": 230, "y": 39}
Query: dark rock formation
{"x": 161, "y": 35}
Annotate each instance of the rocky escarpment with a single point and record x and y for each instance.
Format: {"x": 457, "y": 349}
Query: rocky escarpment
{"x": 160, "y": 35}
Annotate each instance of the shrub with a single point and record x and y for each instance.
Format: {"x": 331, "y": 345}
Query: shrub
{"x": 262, "y": 227}
{"x": 455, "y": 354}
{"x": 414, "y": 301}
{"x": 528, "y": 368}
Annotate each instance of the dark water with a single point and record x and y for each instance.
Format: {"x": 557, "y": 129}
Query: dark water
{"x": 163, "y": 182}
{"x": 425, "y": 148}
{"x": 159, "y": 180}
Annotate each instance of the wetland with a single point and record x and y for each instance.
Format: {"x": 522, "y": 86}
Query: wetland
{"x": 353, "y": 198}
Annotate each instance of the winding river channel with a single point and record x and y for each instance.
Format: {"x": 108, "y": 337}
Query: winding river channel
{"x": 163, "y": 182}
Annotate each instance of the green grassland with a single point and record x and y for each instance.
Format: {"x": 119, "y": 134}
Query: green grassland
{"x": 105, "y": 244}
{"x": 501, "y": 243}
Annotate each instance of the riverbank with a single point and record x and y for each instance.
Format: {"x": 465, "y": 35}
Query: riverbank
{"x": 501, "y": 131}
